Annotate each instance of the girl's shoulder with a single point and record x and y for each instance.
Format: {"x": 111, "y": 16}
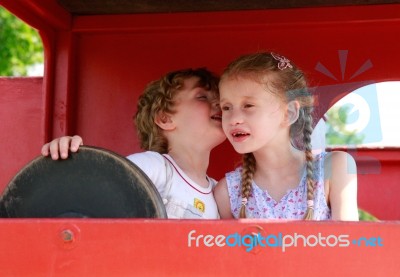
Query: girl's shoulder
{"x": 337, "y": 155}
{"x": 321, "y": 156}
{"x": 237, "y": 170}
{"x": 234, "y": 175}
{"x": 339, "y": 161}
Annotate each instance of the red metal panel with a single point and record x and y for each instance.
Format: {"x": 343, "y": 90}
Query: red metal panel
{"x": 378, "y": 181}
{"x": 160, "y": 248}
{"x": 115, "y": 56}
{"x": 22, "y": 124}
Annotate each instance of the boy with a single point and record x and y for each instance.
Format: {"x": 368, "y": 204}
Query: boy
{"x": 178, "y": 121}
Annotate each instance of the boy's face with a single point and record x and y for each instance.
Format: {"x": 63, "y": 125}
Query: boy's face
{"x": 197, "y": 117}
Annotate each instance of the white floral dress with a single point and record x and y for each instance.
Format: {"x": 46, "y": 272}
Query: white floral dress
{"x": 293, "y": 204}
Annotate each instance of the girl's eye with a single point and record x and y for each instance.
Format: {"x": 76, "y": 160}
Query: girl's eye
{"x": 202, "y": 97}
{"x": 248, "y": 105}
{"x": 225, "y": 108}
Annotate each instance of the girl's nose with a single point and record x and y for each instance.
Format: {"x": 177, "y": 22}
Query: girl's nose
{"x": 235, "y": 117}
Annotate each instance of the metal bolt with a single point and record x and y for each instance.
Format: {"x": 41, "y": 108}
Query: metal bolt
{"x": 67, "y": 236}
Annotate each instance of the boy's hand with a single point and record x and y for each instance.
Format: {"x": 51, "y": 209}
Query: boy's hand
{"x": 59, "y": 147}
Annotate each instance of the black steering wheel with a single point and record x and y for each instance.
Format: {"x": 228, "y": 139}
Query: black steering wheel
{"x": 93, "y": 183}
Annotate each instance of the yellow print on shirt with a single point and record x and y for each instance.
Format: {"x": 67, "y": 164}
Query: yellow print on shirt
{"x": 198, "y": 204}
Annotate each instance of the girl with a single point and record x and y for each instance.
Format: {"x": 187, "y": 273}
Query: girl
{"x": 172, "y": 113}
{"x": 266, "y": 115}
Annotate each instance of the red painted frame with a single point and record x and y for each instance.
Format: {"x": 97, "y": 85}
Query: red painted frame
{"x": 50, "y": 247}
{"x": 96, "y": 66}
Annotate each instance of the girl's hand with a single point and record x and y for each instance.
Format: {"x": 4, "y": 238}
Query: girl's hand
{"x": 59, "y": 147}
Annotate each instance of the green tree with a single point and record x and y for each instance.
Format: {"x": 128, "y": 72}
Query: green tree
{"x": 336, "y": 133}
{"x": 20, "y": 45}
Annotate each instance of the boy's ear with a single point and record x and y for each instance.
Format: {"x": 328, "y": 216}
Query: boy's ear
{"x": 164, "y": 121}
{"x": 292, "y": 113}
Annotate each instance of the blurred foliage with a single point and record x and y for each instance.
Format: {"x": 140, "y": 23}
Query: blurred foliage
{"x": 20, "y": 45}
{"x": 365, "y": 216}
{"x": 336, "y": 133}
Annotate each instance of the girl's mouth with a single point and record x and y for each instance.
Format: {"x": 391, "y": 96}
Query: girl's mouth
{"x": 239, "y": 134}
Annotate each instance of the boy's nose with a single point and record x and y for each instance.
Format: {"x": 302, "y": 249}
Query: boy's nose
{"x": 215, "y": 105}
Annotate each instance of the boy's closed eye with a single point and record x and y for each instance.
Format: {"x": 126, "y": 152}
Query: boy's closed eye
{"x": 202, "y": 97}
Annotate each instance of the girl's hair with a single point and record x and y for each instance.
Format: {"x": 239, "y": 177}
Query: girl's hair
{"x": 289, "y": 83}
{"x": 158, "y": 97}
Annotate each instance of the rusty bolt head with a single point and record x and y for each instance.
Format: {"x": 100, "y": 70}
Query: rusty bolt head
{"x": 67, "y": 236}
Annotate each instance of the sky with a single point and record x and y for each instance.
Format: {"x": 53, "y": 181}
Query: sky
{"x": 389, "y": 107}
{"x": 375, "y": 113}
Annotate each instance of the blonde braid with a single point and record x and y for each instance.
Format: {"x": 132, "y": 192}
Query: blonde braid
{"x": 249, "y": 166}
{"x": 309, "y": 163}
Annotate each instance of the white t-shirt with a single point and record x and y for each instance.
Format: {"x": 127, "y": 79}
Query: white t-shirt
{"x": 183, "y": 198}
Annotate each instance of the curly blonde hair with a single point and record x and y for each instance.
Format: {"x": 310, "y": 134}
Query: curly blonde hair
{"x": 289, "y": 84}
{"x": 158, "y": 97}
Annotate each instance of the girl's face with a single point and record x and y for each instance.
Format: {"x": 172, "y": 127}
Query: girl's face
{"x": 197, "y": 115}
{"x": 252, "y": 116}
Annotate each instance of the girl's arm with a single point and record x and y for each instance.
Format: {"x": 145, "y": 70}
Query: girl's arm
{"x": 341, "y": 175}
{"x": 59, "y": 147}
{"x": 222, "y": 197}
